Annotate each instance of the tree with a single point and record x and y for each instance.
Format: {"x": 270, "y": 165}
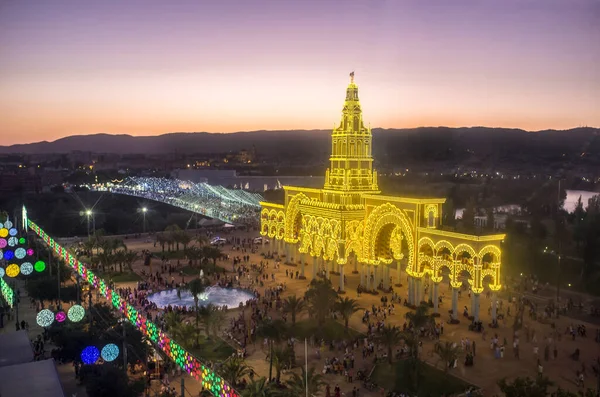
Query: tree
{"x": 274, "y": 331}
{"x": 293, "y": 306}
{"x": 194, "y": 254}
{"x": 212, "y": 319}
{"x": 389, "y": 336}
{"x": 106, "y": 259}
{"x": 201, "y": 239}
{"x": 321, "y": 299}
{"x": 119, "y": 258}
{"x": 106, "y": 380}
{"x": 129, "y": 258}
{"x": 161, "y": 240}
{"x": 173, "y": 233}
{"x": 212, "y": 253}
{"x": 448, "y": 352}
{"x": 235, "y": 369}
{"x": 185, "y": 334}
{"x": 419, "y": 318}
{"x": 282, "y": 357}
{"x": 184, "y": 239}
{"x": 297, "y": 383}
{"x": 346, "y": 307}
{"x": 468, "y": 216}
{"x": 259, "y": 388}
{"x": 489, "y": 212}
{"x": 46, "y": 289}
{"x": 525, "y": 387}
{"x": 196, "y": 287}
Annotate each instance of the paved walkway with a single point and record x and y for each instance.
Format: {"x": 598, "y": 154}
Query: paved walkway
{"x": 28, "y": 313}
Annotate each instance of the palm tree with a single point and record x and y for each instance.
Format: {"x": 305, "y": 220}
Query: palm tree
{"x": 321, "y": 299}
{"x": 259, "y": 388}
{"x": 88, "y": 247}
{"x": 297, "y": 383}
{"x": 212, "y": 319}
{"x": 185, "y": 334}
{"x": 172, "y": 320}
{"x": 194, "y": 254}
{"x": 105, "y": 259}
{"x": 201, "y": 239}
{"x": 184, "y": 239}
{"x": 293, "y": 306}
{"x": 419, "y": 318}
{"x": 448, "y": 352}
{"x": 389, "y": 336}
{"x": 274, "y": 331}
{"x": 129, "y": 259}
{"x": 196, "y": 287}
{"x": 235, "y": 369}
{"x": 281, "y": 357}
{"x": 173, "y": 232}
{"x": 161, "y": 239}
{"x": 213, "y": 253}
{"x": 119, "y": 258}
{"x": 346, "y": 308}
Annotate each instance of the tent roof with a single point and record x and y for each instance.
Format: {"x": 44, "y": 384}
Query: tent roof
{"x": 15, "y": 348}
{"x": 36, "y": 378}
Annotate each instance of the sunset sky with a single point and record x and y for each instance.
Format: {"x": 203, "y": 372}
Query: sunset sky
{"x": 150, "y": 67}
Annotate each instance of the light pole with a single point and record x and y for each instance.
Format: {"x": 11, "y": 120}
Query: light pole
{"x": 88, "y": 213}
{"x": 144, "y": 210}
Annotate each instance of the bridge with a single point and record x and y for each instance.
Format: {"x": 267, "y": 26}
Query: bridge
{"x": 218, "y": 202}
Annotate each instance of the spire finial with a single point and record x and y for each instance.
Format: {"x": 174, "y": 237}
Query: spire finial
{"x": 352, "y": 77}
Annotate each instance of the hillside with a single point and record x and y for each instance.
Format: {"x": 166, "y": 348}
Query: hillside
{"x": 465, "y": 146}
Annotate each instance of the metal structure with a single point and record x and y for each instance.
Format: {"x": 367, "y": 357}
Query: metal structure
{"x": 218, "y": 202}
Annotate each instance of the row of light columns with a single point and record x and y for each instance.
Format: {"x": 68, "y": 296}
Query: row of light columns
{"x": 381, "y": 275}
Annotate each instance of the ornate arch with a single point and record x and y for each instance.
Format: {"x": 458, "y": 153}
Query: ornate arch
{"x": 280, "y": 225}
{"x": 423, "y": 241}
{"x": 490, "y": 249}
{"x": 380, "y": 217}
{"x": 443, "y": 244}
{"x": 264, "y": 222}
{"x": 460, "y": 248}
{"x": 291, "y": 213}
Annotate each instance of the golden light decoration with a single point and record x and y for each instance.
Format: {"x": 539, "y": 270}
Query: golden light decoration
{"x": 377, "y": 229}
{"x": 13, "y": 270}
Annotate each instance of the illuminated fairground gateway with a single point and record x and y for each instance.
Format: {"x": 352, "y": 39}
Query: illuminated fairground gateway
{"x": 348, "y": 222}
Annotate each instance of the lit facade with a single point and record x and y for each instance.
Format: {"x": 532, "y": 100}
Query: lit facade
{"x": 349, "y": 223}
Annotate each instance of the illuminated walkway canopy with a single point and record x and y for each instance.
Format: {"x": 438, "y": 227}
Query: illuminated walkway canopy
{"x": 349, "y": 221}
{"x": 227, "y": 205}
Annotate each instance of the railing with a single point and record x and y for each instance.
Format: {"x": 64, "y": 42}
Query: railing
{"x": 209, "y": 379}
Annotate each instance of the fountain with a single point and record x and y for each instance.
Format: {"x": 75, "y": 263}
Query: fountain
{"x": 218, "y": 296}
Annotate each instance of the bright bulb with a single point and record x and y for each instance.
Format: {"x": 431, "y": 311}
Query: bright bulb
{"x": 88, "y": 212}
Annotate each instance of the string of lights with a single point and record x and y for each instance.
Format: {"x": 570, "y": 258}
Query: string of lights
{"x": 209, "y": 379}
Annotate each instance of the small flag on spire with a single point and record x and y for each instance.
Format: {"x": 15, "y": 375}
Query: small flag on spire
{"x": 352, "y": 77}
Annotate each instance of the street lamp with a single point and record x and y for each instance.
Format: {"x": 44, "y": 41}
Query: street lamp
{"x": 88, "y": 214}
{"x": 144, "y": 210}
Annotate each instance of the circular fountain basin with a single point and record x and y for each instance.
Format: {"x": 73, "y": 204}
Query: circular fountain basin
{"x": 218, "y": 296}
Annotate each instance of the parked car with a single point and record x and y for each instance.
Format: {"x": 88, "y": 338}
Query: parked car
{"x": 259, "y": 240}
{"x": 219, "y": 241}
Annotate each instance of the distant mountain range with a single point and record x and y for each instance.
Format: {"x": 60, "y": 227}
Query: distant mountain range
{"x": 463, "y": 145}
